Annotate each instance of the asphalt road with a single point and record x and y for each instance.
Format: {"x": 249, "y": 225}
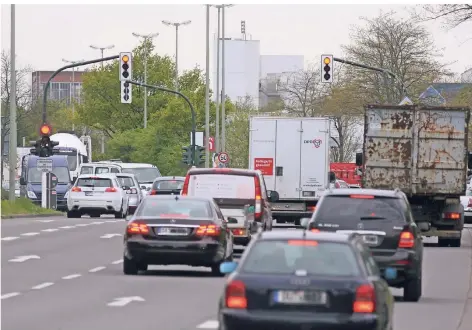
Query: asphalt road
{"x": 65, "y": 274}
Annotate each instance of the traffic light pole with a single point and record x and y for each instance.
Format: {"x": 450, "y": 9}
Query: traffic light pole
{"x": 384, "y": 71}
{"x": 74, "y": 65}
{"x": 194, "y": 123}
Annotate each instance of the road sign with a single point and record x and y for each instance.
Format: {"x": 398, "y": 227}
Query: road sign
{"x": 223, "y": 157}
{"x": 44, "y": 165}
{"x": 211, "y": 143}
{"x": 406, "y": 101}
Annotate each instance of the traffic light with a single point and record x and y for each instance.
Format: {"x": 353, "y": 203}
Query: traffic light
{"x": 327, "y": 68}
{"x": 199, "y": 155}
{"x": 187, "y": 155}
{"x": 44, "y": 146}
{"x": 125, "y": 74}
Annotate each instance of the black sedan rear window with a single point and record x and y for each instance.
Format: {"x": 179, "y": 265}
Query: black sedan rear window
{"x": 168, "y": 185}
{"x": 289, "y": 256}
{"x": 166, "y": 208}
{"x": 345, "y": 210}
{"x": 94, "y": 182}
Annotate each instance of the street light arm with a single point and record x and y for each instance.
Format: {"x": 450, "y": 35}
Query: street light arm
{"x": 168, "y": 23}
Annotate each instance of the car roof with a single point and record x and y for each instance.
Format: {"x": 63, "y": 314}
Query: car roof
{"x": 135, "y": 165}
{"x": 234, "y": 171}
{"x": 101, "y": 175}
{"x": 178, "y": 197}
{"x": 374, "y": 192}
{"x": 128, "y": 175}
{"x": 304, "y": 234}
{"x": 164, "y": 178}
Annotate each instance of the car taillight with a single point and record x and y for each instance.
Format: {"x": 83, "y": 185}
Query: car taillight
{"x": 208, "y": 230}
{"x": 452, "y": 215}
{"x": 76, "y": 189}
{"x": 110, "y": 189}
{"x": 337, "y": 185}
{"x": 137, "y": 228}
{"x": 312, "y": 208}
{"x": 236, "y": 295}
{"x": 258, "y": 206}
{"x": 314, "y": 230}
{"x": 470, "y": 203}
{"x": 365, "y": 299}
{"x": 185, "y": 187}
{"x": 134, "y": 191}
{"x": 153, "y": 192}
{"x": 407, "y": 240}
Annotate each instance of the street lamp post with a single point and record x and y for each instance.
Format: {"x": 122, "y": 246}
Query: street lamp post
{"x": 145, "y": 37}
{"x": 13, "y": 133}
{"x": 207, "y": 90}
{"x": 72, "y": 90}
{"x": 176, "y": 24}
{"x": 102, "y": 49}
{"x": 223, "y": 80}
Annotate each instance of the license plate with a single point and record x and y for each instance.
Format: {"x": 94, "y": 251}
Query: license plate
{"x": 169, "y": 231}
{"x": 88, "y": 193}
{"x": 370, "y": 239}
{"x": 300, "y": 297}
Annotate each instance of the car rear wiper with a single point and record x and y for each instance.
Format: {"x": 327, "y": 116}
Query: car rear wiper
{"x": 89, "y": 185}
{"x": 373, "y": 218}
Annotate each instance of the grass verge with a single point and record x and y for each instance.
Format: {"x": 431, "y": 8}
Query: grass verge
{"x": 23, "y": 206}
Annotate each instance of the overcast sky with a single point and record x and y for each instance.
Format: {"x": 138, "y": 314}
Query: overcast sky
{"x": 47, "y": 33}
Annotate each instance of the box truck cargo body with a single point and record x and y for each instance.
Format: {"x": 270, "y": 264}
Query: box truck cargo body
{"x": 293, "y": 156}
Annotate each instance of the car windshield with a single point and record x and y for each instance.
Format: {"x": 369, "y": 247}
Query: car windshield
{"x": 168, "y": 185}
{"x": 126, "y": 181}
{"x": 164, "y": 208}
{"x": 348, "y": 211}
{"x": 283, "y": 257}
{"x": 62, "y": 173}
{"x": 86, "y": 170}
{"x": 94, "y": 182}
{"x": 143, "y": 174}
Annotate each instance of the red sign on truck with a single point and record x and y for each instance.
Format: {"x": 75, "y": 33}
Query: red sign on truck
{"x": 265, "y": 165}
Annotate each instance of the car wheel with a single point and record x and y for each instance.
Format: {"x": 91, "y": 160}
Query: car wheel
{"x": 73, "y": 214}
{"x": 455, "y": 242}
{"x": 129, "y": 266}
{"x": 142, "y": 267}
{"x": 443, "y": 242}
{"x": 412, "y": 290}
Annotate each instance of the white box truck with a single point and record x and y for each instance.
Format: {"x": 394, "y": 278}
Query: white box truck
{"x": 293, "y": 155}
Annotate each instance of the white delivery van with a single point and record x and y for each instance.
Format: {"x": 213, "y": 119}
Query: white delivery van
{"x": 293, "y": 156}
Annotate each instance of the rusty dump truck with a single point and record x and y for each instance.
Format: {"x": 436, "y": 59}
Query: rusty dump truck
{"x": 423, "y": 152}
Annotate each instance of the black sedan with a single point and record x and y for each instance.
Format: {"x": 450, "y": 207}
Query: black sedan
{"x": 302, "y": 280}
{"x": 167, "y": 185}
{"x": 177, "y": 230}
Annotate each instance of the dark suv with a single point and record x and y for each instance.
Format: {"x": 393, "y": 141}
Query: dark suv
{"x": 384, "y": 220}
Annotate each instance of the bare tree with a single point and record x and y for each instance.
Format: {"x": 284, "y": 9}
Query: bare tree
{"x": 451, "y": 14}
{"x": 401, "y": 46}
{"x": 302, "y": 92}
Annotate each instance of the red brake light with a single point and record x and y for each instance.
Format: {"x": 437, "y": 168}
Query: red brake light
{"x": 407, "y": 240}
{"x": 365, "y": 299}
{"x": 153, "y": 192}
{"x": 302, "y": 242}
{"x": 258, "y": 206}
{"x": 314, "y": 230}
{"x": 312, "y": 208}
{"x": 236, "y": 295}
{"x": 208, "y": 230}
{"x": 362, "y": 196}
{"x": 185, "y": 187}
{"x": 76, "y": 189}
{"x": 452, "y": 215}
{"x": 111, "y": 189}
{"x": 470, "y": 203}
{"x": 137, "y": 228}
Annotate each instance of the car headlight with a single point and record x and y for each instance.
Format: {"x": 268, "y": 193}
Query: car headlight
{"x": 31, "y": 194}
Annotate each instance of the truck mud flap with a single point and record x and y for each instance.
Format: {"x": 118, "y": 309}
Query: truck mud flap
{"x": 442, "y": 233}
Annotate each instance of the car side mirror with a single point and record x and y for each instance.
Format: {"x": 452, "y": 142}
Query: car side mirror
{"x": 125, "y": 188}
{"x": 359, "y": 159}
{"x": 273, "y": 196}
{"x": 228, "y": 267}
{"x": 22, "y": 181}
{"x": 304, "y": 222}
{"x": 232, "y": 220}
{"x": 332, "y": 177}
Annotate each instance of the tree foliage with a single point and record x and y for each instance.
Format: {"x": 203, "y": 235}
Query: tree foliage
{"x": 451, "y": 14}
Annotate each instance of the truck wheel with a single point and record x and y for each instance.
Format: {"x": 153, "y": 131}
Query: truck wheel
{"x": 73, "y": 214}
{"x": 412, "y": 290}
{"x": 455, "y": 242}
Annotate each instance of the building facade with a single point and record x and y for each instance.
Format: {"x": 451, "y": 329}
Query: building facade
{"x": 65, "y": 87}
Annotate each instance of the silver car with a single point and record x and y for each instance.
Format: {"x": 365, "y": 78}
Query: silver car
{"x": 135, "y": 195}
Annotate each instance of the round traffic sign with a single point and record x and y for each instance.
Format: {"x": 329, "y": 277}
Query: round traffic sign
{"x": 223, "y": 157}
{"x": 53, "y": 180}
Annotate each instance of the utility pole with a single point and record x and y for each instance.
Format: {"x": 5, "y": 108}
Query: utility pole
{"x": 207, "y": 90}
{"x": 101, "y": 49}
{"x": 217, "y": 119}
{"x": 176, "y": 24}
{"x": 72, "y": 90}
{"x": 13, "y": 132}
{"x": 145, "y": 37}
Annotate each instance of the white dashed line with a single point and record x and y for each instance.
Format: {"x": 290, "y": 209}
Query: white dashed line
{"x": 211, "y": 324}
{"x": 45, "y": 220}
{"x": 82, "y": 225}
{"x": 10, "y": 238}
{"x": 116, "y": 262}
{"x": 50, "y": 230}
{"x": 42, "y": 286}
{"x": 10, "y": 295}
{"x": 67, "y": 227}
{"x": 69, "y": 277}
{"x": 96, "y": 269}
{"x": 96, "y": 223}
{"x": 30, "y": 234}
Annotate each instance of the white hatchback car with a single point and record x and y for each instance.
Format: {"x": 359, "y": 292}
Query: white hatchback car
{"x": 97, "y": 194}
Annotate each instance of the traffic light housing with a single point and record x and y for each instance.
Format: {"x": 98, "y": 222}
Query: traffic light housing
{"x": 187, "y": 155}
{"x": 199, "y": 155}
{"x": 44, "y": 146}
{"x": 126, "y": 69}
{"x": 327, "y": 66}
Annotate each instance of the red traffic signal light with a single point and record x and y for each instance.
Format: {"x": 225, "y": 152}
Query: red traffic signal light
{"x": 45, "y": 129}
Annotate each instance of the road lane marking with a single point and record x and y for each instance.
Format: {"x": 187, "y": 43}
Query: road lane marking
{"x": 96, "y": 269}
{"x": 67, "y": 227}
{"x": 82, "y": 225}
{"x": 123, "y": 301}
{"x": 23, "y": 258}
{"x": 116, "y": 262}
{"x": 96, "y": 223}
{"x": 110, "y": 235}
{"x": 42, "y": 286}
{"x": 50, "y": 230}
{"x": 210, "y": 324}
{"x": 45, "y": 220}
{"x": 10, "y": 295}
{"x": 69, "y": 277}
{"x": 9, "y": 238}
{"x": 30, "y": 234}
